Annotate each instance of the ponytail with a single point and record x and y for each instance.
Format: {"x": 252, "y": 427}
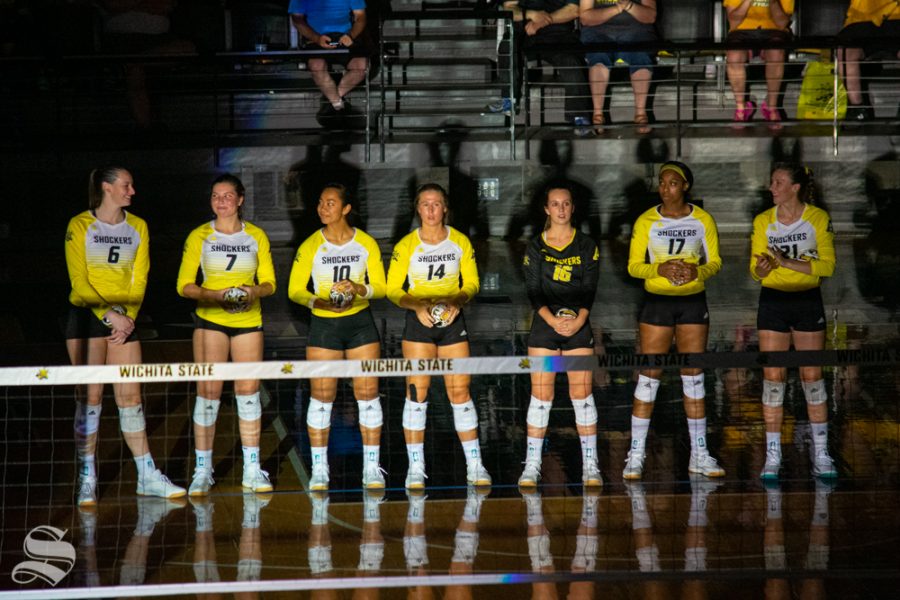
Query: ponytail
{"x": 96, "y": 179}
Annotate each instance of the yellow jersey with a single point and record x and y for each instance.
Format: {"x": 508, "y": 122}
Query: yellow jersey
{"x": 875, "y": 11}
{"x": 758, "y": 16}
{"x": 227, "y": 260}
{"x": 432, "y": 270}
{"x": 656, "y": 239}
{"x": 319, "y": 264}
{"x": 108, "y": 264}
{"x": 810, "y": 238}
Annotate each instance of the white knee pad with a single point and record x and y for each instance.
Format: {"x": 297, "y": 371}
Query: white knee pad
{"x": 206, "y": 571}
{"x": 414, "y": 415}
{"x": 646, "y": 389}
{"x": 773, "y": 393}
{"x": 131, "y": 419}
{"x": 465, "y": 547}
{"x": 371, "y": 556}
{"x": 415, "y": 551}
{"x": 319, "y": 558}
{"x": 206, "y": 411}
{"x": 648, "y": 559}
{"x": 538, "y": 413}
{"x": 249, "y": 569}
{"x": 815, "y": 393}
{"x": 692, "y": 386}
{"x": 370, "y": 415}
{"x": 539, "y": 551}
{"x": 318, "y": 415}
{"x": 465, "y": 417}
{"x": 585, "y": 557}
{"x": 87, "y": 418}
{"x": 585, "y": 411}
{"x": 249, "y": 407}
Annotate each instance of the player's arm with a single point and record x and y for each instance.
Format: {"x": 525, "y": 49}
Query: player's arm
{"x": 711, "y": 245}
{"x": 780, "y": 12}
{"x": 823, "y": 265}
{"x": 76, "y": 263}
{"x": 591, "y": 260}
{"x": 736, "y": 10}
{"x": 638, "y": 267}
{"x": 377, "y": 285}
{"x": 531, "y": 269}
{"x": 186, "y": 284}
{"x": 761, "y": 261}
{"x": 140, "y": 272}
{"x": 301, "y": 271}
{"x": 265, "y": 270}
{"x": 468, "y": 271}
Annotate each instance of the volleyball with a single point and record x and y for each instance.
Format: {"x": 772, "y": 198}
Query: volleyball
{"x": 440, "y": 314}
{"x": 236, "y": 300}
{"x": 566, "y": 313}
{"x": 340, "y": 299}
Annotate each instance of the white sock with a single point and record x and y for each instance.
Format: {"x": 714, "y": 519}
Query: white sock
{"x": 371, "y": 454}
{"x": 251, "y": 456}
{"x": 472, "y": 450}
{"x": 639, "y": 429}
{"x": 820, "y": 436}
{"x": 697, "y": 430}
{"x": 145, "y": 465}
{"x": 534, "y": 446}
{"x": 319, "y": 455}
{"x": 88, "y": 466}
{"x": 339, "y": 104}
{"x": 589, "y": 512}
{"x": 773, "y": 503}
{"x": 202, "y": 459}
{"x": 416, "y": 453}
{"x": 773, "y": 441}
{"x": 588, "y": 447}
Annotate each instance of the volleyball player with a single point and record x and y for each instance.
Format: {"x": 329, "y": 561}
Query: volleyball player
{"x": 336, "y": 272}
{"x": 561, "y": 270}
{"x": 792, "y": 249}
{"x": 674, "y": 249}
{"x": 235, "y": 264}
{"x": 107, "y": 255}
{"x": 432, "y": 275}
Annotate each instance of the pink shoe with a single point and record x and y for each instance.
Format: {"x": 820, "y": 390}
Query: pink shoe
{"x": 772, "y": 115}
{"x": 742, "y": 115}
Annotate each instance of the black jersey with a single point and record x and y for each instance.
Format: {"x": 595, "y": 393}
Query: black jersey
{"x": 562, "y": 277}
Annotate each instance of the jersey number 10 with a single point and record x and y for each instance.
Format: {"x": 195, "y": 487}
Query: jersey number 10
{"x": 341, "y": 272}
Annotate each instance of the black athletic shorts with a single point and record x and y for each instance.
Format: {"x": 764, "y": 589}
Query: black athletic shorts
{"x": 787, "y": 311}
{"x": 343, "y": 333}
{"x": 668, "y": 311}
{"x": 83, "y": 324}
{"x": 752, "y": 36}
{"x": 872, "y": 39}
{"x": 200, "y": 323}
{"x": 543, "y": 336}
{"x": 454, "y": 333}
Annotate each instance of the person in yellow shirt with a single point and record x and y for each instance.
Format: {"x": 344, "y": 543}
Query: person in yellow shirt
{"x": 792, "y": 249}
{"x": 108, "y": 258}
{"x": 674, "y": 249}
{"x": 755, "y": 21}
{"x": 871, "y": 26}
{"x": 336, "y": 272}
{"x": 235, "y": 264}
{"x": 432, "y": 274}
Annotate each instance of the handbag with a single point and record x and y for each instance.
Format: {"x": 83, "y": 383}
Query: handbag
{"x": 817, "y": 93}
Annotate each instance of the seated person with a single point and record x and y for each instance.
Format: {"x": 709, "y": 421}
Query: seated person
{"x": 873, "y": 26}
{"x": 544, "y": 29}
{"x": 140, "y": 27}
{"x": 619, "y": 21}
{"x": 757, "y": 21}
{"x": 331, "y": 24}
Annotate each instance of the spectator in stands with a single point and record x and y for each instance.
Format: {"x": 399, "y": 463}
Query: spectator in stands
{"x": 619, "y": 21}
{"x": 331, "y": 24}
{"x": 873, "y": 29}
{"x": 545, "y": 29}
{"x": 755, "y": 21}
{"x": 140, "y": 27}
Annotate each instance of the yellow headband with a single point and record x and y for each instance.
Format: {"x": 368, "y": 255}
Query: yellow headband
{"x": 676, "y": 168}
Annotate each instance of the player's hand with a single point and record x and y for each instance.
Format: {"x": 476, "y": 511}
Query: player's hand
{"x": 324, "y": 42}
{"x": 765, "y": 264}
{"x": 346, "y": 40}
{"x": 423, "y": 313}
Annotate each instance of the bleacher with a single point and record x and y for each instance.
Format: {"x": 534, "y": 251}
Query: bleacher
{"x": 435, "y": 72}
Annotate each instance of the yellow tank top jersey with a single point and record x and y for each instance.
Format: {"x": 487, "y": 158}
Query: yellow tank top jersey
{"x": 108, "y": 264}
{"x": 324, "y": 264}
{"x": 432, "y": 270}
{"x": 810, "y": 238}
{"x": 875, "y": 11}
{"x": 758, "y": 16}
{"x": 656, "y": 239}
{"x": 227, "y": 260}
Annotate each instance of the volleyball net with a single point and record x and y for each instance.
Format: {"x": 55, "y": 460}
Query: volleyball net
{"x": 39, "y": 460}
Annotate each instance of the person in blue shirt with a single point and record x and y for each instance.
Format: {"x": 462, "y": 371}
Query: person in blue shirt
{"x": 331, "y": 24}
